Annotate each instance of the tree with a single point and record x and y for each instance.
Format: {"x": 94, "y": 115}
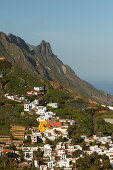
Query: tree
{"x": 21, "y": 153}
{"x": 39, "y": 156}
{"x": 12, "y": 147}
{"x": 106, "y": 161}
{"x": 89, "y": 162}
{"x": 76, "y": 153}
{"x": 106, "y": 164}
{"x": 84, "y": 146}
{"x": 76, "y": 139}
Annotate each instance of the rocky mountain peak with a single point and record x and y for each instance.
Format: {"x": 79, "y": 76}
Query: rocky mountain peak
{"x": 43, "y": 43}
{"x": 44, "y": 49}
{"x": 44, "y": 63}
{"x": 3, "y": 36}
{"x": 18, "y": 41}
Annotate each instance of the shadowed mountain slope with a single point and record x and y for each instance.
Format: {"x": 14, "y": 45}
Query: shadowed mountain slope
{"x": 41, "y": 61}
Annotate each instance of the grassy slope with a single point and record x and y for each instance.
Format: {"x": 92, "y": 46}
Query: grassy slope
{"x": 14, "y": 81}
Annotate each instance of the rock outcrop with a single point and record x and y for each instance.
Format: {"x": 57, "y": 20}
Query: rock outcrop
{"x": 40, "y": 60}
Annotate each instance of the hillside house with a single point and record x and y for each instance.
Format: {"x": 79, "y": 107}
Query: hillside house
{"x": 36, "y": 164}
{"x": 1, "y": 76}
{"x": 54, "y": 105}
{"x": 11, "y": 97}
{"x": 61, "y": 151}
{"x": 30, "y": 149}
{"x": 43, "y": 167}
{"x": 41, "y": 118}
{"x": 70, "y": 148}
{"x": 33, "y": 93}
{"x": 22, "y": 98}
{"x": 34, "y": 137}
{"x": 28, "y": 156}
{"x": 27, "y": 107}
{"x": 39, "y": 88}
{"x": 60, "y": 145}
{"x": 89, "y": 152}
{"x": 51, "y": 164}
{"x": 66, "y": 163}
{"x": 0, "y": 154}
{"x": 50, "y": 134}
{"x": 47, "y": 150}
{"x": 41, "y": 109}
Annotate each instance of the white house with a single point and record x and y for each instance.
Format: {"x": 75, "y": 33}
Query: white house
{"x": 36, "y": 164}
{"x": 27, "y": 107}
{"x": 34, "y": 137}
{"x": 22, "y": 98}
{"x": 47, "y": 152}
{"x": 0, "y": 153}
{"x": 54, "y": 105}
{"x": 47, "y": 146}
{"x": 43, "y": 167}
{"x": 11, "y": 97}
{"x": 36, "y": 102}
{"x": 41, "y": 109}
{"x": 51, "y": 164}
{"x": 1, "y": 76}
{"x": 78, "y": 147}
{"x": 28, "y": 156}
{"x": 30, "y": 149}
{"x": 39, "y": 88}
{"x": 41, "y": 118}
{"x": 88, "y": 151}
{"x": 60, "y": 145}
{"x": 61, "y": 151}
{"x": 50, "y": 134}
{"x": 71, "y": 148}
{"x": 63, "y": 156}
{"x": 64, "y": 163}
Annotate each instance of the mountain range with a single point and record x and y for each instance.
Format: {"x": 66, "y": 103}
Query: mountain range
{"x": 41, "y": 61}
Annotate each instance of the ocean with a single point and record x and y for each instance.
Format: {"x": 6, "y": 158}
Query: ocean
{"x": 104, "y": 86}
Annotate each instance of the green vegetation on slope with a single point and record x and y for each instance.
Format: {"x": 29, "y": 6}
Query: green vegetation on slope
{"x": 55, "y": 95}
{"x": 17, "y": 81}
{"x": 11, "y": 114}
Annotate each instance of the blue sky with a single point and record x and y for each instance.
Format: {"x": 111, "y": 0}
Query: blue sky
{"x": 80, "y": 32}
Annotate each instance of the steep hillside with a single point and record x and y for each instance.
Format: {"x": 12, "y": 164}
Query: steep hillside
{"x": 16, "y": 81}
{"x": 41, "y": 61}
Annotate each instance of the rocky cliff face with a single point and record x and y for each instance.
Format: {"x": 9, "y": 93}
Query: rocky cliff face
{"x": 44, "y": 49}
{"x": 40, "y": 60}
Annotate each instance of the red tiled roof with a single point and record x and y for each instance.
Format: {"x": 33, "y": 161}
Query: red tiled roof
{"x": 92, "y": 105}
{"x": 6, "y": 150}
{"x": 102, "y": 111}
{"x": 61, "y": 149}
{"x": 58, "y": 132}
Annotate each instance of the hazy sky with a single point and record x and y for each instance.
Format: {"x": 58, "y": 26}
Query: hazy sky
{"x": 80, "y": 32}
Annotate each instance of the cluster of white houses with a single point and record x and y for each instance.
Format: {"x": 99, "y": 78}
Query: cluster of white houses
{"x": 63, "y": 152}
{"x": 52, "y": 127}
